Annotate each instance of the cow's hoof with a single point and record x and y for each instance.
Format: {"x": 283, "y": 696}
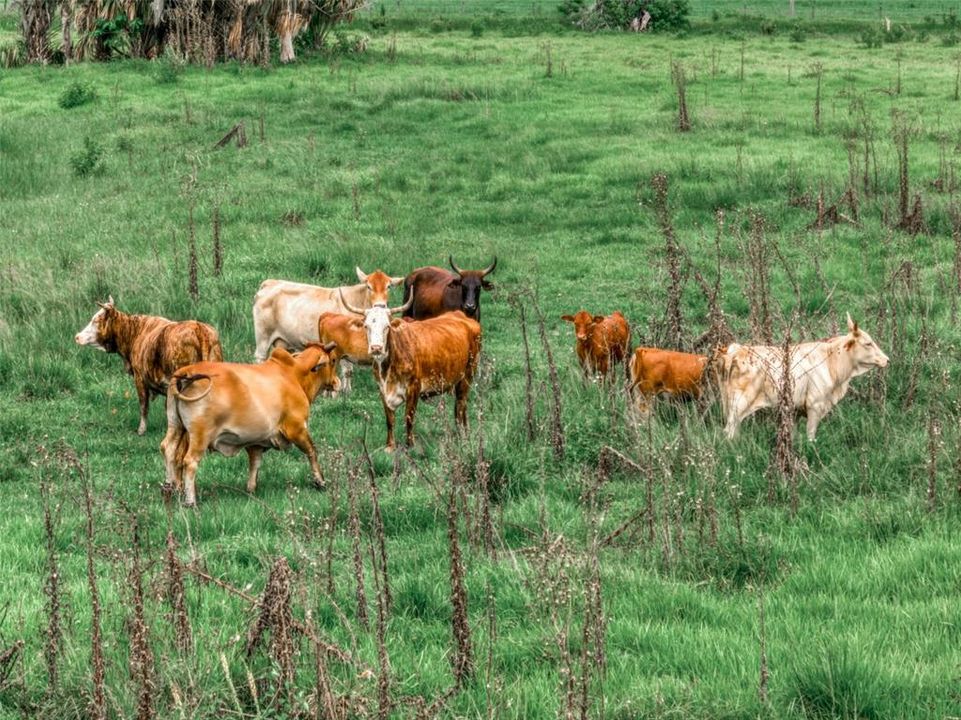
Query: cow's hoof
{"x": 189, "y": 505}
{"x": 141, "y": 430}
{"x": 389, "y": 449}
{"x": 319, "y": 485}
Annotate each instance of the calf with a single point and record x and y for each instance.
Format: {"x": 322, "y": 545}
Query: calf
{"x": 422, "y": 358}
{"x": 285, "y": 313}
{"x": 600, "y": 341}
{"x": 750, "y": 376}
{"x": 152, "y": 348}
{"x": 654, "y": 372}
{"x": 228, "y": 407}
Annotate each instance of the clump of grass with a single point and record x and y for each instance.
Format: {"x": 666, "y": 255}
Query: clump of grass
{"x": 89, "y": 159}
{"x": 275, "y": 615}
{"x": 77, "y": 94}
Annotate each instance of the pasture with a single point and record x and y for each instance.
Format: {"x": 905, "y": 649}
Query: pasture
{"x": 540, "y": 149}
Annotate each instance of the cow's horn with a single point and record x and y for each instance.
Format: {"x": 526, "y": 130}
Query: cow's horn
{"x": 456, "y": 269}
{"x": 490, "y": 268}
{"x": 343, "y": 300}
{"x": 401, "y": 308}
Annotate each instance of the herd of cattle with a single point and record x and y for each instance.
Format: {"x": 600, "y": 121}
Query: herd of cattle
{"x": 305, "y": 333}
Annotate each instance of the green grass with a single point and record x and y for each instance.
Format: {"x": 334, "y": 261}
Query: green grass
{"x": 464, "y": 146}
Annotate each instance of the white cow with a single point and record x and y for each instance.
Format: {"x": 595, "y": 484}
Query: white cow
{"x": 285, "y": 313}
{"x": 750, "y": 375}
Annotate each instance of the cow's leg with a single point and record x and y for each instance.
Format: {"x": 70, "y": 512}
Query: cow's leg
{"x": 254, "y": 456}
{"x": 642, "y": 404}
{"x": 300, "y": 437}
{"x": 410, "y": 409}
{"x": 198, "y": 442}
{"x": 461, "y": 390}
{"x": 736, "y": 412}
{"x": 172, "y": 450}
{"x": 346, "y": 376}
{"x": 143, "y": 394}
{"x": 814, "y": 415}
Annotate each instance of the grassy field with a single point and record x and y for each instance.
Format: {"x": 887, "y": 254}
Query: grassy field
{"x": 465, "y": 145}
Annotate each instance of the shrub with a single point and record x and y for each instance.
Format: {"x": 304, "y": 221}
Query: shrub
{"x": 950, "y": 40}
{"x": 476, "y": 29}
{"x": 798, "y": 34}
{"x": 768, "y": 27}
{"x": 618, "y": 14}
{"x": 950, "y": 20}
{"x": 871, "y": 38}
{"x": 167, "y": 70}
{"x": 77, "y": 94}
{"x": 88, "y": 160}
{"x": 897, "y": 33}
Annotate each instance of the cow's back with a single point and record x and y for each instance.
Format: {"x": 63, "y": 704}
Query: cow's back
{"x": 654, "y": 370}
{"x": 433, "y": 295}
{"x": 164, "y": 347}
{"x": 443, "y": 349}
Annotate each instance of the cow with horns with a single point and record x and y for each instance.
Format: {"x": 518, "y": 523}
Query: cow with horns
{"x": 285, "y": 313}
{"x": 416, "y": 359}
{"x": 436, "y": 290}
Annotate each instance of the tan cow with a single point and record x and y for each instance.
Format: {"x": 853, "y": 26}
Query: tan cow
{"x": 347, "y": 332}
{"x": 285, "y": 313}
{"x": 228, "y": 407}
{"x": 654, "y": 372}
{"x": 750, "y": 376}
{"x": 152, "y": 348}
{"x": 421, "y": 358}
{"x": 600, "y": 342}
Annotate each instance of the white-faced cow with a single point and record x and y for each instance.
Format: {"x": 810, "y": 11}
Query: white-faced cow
{"x": 152, "y": 348}
{"x": 750, "y": 376}
{"x": 418, "y": 359}
{"x": 285, "y": 313}
{"x": 436, "y": 290}
{"x": 229, "y": 407}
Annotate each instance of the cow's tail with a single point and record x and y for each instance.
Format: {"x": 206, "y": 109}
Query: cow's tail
{"x": 629, "y": 370}
{"x": 182, "y": 382}
{"x": 208, "y": 344}
{"x": 720, "y": 367}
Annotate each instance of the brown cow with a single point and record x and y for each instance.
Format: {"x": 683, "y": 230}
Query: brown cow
{"x": 601, "y": 341}
{"x": 437, "y": 291}
{"x": 152, "y": 348}
{"x": 226, "y": 407}
{"x": 418, "y": 359}
{"x": 285, "y": 313}
{"x": 654, "y": 372}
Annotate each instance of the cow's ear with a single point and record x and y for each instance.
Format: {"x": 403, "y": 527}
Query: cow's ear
{"x": 330, "y": 347}
{"x": 568, "y": 318}
{"x": 395, "y": 281}
{"x": 455, "y": 282}
{"x": 598, "y": 318}
{"x": 852, "y": 326}
{"x": 849, "y": 345}
{"x": 397, "y": 322}
{"x": 487, "y": 284}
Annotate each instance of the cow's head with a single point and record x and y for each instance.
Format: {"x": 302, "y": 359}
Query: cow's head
{"x": 378, "y": 283}
{"x": 377, "y": 324}
{"x": 863, "y": 351}
{"x": 470, "y": 283}
{"x": 583, "y": 324}
{"x": 318, "y": 367}
{"x": 99, "y": 333}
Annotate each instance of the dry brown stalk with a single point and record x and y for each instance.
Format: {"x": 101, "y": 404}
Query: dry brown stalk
{"x": 236, "y": 133}
{"x": 757, "y": 251}
{"x": 183, "y": 637}
{"x": 141, "y": 655}
{"x": 193, "y": 285}
{"x": 934, "y": 447}
{"x": 718, "y": 332}
{"x": 98, "y": 701}
{"x": 482, "y": 470}
{"x": 377, "y": 521}
{"x": 784, "y": 462}
{"x": 762, "y": 642}
{"x": 673, "y": 256}
{"x": 529, "y": 379}
{"x": 53, "y": 633}
{"x": 354, "y": 523}
{"x": 818, "y": 72}
{"x": 217, "y": 245}
{"x": 275, "y": 616}
{"x": 462, "y": 659}
{"x": 680, "y": 86}
{"x": 557, "y": 422}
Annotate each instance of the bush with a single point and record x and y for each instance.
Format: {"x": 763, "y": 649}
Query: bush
{"x": 950, "y": 40}
{"x": 77, "y": 94}
{"x": 871, "y": 38}
{"x": 167, "y": 70}
{"x": 950, "y": 20}
{"x": 476, "y": 29}
{"x": 88, "y": 160}
{"x": 798, "y": 34}
{"x": 617, "y": 14}
{"x": 768, "y": 27}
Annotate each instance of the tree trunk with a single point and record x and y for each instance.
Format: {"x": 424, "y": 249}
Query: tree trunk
{"x": 34, "y": 25}
{"x": 66, "y": 19}
{"x": 790, "y": 10}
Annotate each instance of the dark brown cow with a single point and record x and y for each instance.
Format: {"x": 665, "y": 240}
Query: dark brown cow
{"x": 654, "y": 372}
{"x": 437, "y": 291}
{"x": 229, "y": 407}
{"x": 418, "y": 359}
{"x": 153, "y": 348}
{"x": 600, "y": 342}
